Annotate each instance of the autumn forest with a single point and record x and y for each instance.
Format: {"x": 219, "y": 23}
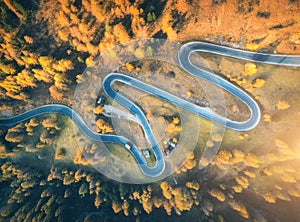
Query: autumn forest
{"x": 48, "y": 168}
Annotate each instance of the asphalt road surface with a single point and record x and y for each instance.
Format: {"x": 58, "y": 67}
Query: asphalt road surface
{"x": 184, "y": 60}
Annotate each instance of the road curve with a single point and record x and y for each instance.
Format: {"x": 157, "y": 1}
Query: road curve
{"x": 184, "y": 54}
{"x": 184, "y": 60}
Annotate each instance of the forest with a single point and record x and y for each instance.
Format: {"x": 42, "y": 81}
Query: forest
{"x": 45, "y": 47}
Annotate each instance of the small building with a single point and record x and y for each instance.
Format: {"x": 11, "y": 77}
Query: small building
{"x": 146, "y": 153}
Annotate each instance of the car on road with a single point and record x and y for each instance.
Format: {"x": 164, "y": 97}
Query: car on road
{"x": 128, "y": 146}
{"x": 101, "y": 100}
{"x": 170, "y": 145}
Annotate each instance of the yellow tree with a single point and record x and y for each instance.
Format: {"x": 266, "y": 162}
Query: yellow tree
{"x": 28, "y": 39}
{"x": 103, "y": 127}
{"x": 97, "y": 202}
{"x": 63, "y": 65}
{"x": 55, "y": 94}
{"x": 181, "y": 6}
{"x": 239, "y": 207}
{"x": 167, "y": 26}
{"x": 10, "y": 85}
{"x": 14, "y": 9}
{"x": 46, "y": 62}
{"x": 167, "y": 207}
{"x": 282, "y": 105}
{"x": 60, "y": 81}
{"x": 157, "y": 202}
{"x": 50, "y": 123}
{"x": 8, "y": 69}
{"x": 217, "y": 194}
{"x": 120, "y": 33}
{"x": 147, "y": 205}
{"x": 42, "y": 75}
{"x": 97, "y": 10}
{"x": 259, "y": 83}
{"x": 250, "y": 68}
{"x": 192, "y": 185}
{"x": 25, "y": 79}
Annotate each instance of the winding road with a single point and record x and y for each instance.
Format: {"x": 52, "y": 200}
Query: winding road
{"x": 184, "y": 54}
